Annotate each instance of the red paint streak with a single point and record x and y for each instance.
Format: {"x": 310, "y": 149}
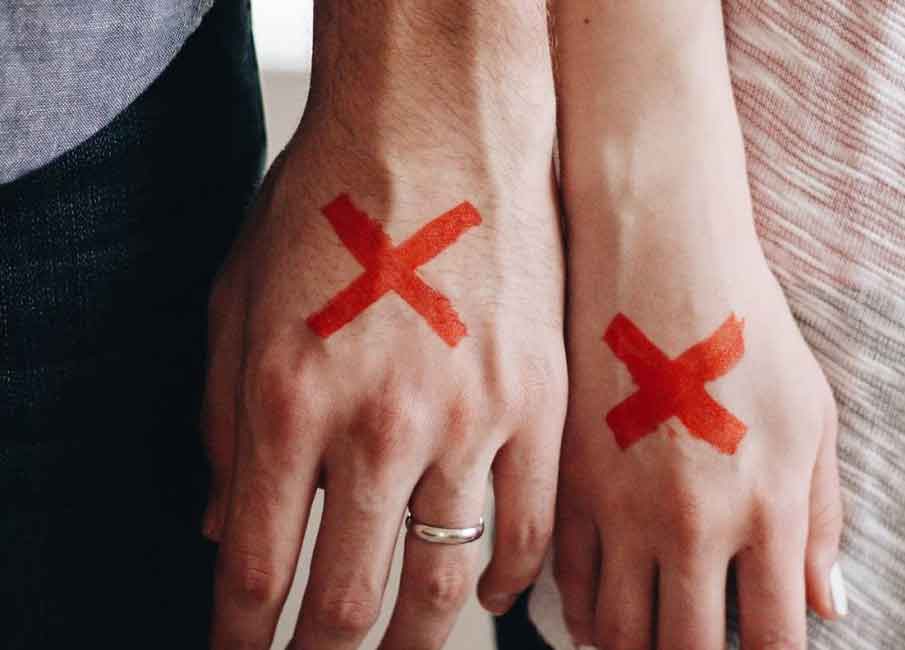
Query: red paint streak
{"x": 392, "y": 268}
{"x": 668, "y": 387}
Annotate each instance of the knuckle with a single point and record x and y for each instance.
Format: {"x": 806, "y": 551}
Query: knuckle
{"x": 271, "y": 398}
{"x": 526, "y": 540}
{"x": 513, "y": 400}
{"x": 252, "y": 578}
{"x": 368, "y": 499}
{"x": 776, "y": 518}
{"x": 461, "y": 419}
{"x": 391, "y": 428}
{"x": 346, "y": 616}
{"x": 442, "y": 589}
{"x": 689, "y": 520}
{"x": 507, "y": 391}
{"x": 265, "y": 381}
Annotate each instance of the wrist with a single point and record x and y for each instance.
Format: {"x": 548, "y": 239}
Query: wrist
{"x": 649, "y": 133}
{"x": 442, "y": 74}
{"x": 366, "y": 44}
{"x": 670, "y": 184}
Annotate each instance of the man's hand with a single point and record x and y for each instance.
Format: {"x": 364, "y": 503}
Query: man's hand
{"x": 701, "y": 431}
{"x": 389, "y": 326}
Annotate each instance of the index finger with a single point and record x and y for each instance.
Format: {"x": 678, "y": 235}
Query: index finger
{"x": 266, "y": 520}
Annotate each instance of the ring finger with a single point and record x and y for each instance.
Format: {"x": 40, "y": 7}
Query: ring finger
{"x": 692, "y": 601}
{"x": 437, "y": 578}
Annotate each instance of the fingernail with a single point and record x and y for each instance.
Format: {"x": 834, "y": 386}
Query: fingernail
{"x": 837, "y": 591}
{"x": 500, "y": 603}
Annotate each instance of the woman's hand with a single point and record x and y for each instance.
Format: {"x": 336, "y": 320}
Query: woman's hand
{"x": 363, "y": 342}
{"x": 701, "y": 432}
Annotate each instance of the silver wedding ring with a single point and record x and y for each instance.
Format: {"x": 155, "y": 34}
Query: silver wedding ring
{"x": 441, "y": 535}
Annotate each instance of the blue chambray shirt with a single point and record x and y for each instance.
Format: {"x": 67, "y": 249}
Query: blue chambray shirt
{"x": 68, "y": 67}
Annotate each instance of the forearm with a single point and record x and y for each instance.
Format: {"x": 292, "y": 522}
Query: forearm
{"x": 647, "y": 120}
{"x": 469, "y": 76}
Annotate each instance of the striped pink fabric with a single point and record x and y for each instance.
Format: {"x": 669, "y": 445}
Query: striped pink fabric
{"x": 820, "y": 89}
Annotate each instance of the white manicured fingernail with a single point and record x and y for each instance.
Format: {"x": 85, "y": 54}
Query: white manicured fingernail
{"x": 837, "y": 591}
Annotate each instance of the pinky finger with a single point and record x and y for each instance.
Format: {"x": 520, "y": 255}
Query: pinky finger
{"x": 524, "y": 485}
{"x": 218, "y": 416}
{"x": 771, "y": 591}
{"x": 825, "y": 585}
{"x": 577, "y": 556}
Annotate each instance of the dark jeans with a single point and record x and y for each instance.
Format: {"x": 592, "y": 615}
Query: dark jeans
{"x": 106, "y": 258}
{"x": 515, "y": 631}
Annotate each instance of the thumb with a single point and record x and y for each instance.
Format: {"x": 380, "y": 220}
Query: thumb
{"x": 825, "y": 582}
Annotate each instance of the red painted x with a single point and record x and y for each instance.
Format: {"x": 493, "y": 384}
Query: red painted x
{"x": 668, "y": 387}
{"x": 392, "y": 268}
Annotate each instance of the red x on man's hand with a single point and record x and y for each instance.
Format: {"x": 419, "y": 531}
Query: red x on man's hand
{"x": 668, "y": 387}
{"x": 392, "y": 268}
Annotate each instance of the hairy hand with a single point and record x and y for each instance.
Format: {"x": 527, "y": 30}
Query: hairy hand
{"x": 389, "y": 327}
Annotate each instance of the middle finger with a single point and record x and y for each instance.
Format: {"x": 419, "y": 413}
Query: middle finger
{"x": 362, "y": 514}
{"x": 692, "y": 602}
{"x": 436, "y": 579}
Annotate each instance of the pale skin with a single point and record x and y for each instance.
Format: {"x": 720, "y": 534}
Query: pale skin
{"x": 409, "y": 116}
{"x": 661, "y": 229}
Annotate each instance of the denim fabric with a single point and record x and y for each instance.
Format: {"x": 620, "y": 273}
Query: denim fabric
{"x": 67, "y": 67}
{"x": 106, "y": 258}
{"x": 515, "y": 631}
